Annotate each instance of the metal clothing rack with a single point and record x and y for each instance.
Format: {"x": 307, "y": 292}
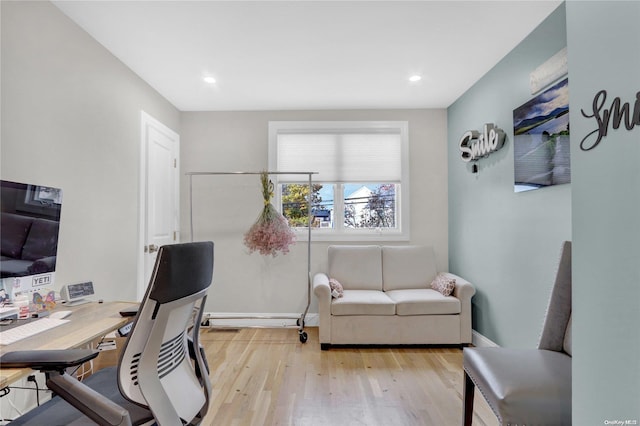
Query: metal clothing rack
{"x": 299, "y": 320}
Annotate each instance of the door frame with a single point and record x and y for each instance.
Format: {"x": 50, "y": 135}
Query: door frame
{"x": 147, "y": 121}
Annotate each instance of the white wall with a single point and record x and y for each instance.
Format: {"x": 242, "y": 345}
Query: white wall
{"x": 71, "y": 119}
{"x": 225, "y": 207}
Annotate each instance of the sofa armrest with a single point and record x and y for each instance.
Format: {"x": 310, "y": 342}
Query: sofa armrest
{"x": 321, "y": 286}
{"x": 322, "y": 290}
{"x": 464, "y": 291}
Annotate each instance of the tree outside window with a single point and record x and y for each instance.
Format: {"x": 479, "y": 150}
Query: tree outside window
{"x": 295, "y": 206}
{"x": 365, "y": 206}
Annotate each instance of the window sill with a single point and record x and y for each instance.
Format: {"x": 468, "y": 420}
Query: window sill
{"x": 319, "y": 236}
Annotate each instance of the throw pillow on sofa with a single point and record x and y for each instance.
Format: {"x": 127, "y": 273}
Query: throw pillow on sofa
{"x": 443, "y": 284}
{"x": 336, "y": 288}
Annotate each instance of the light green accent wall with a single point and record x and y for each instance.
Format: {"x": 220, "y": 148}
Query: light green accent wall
{"x": 507, "y": 244}
{"x": 604, "y": 54}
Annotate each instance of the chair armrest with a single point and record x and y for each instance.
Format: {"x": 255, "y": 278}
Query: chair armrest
{"x": 47, "y": 360}
{"x": 92, "y": 404}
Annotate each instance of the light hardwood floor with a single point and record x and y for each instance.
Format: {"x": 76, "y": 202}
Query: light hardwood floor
{"x": 267, "y": 377}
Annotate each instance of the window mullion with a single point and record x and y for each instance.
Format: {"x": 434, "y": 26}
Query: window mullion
{"x": 338, "y": 207}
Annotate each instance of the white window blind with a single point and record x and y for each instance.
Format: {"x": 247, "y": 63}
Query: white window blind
{"x": 342, "y": 156}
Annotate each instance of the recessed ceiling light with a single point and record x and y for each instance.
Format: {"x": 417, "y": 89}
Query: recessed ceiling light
{"x": 415, "y": 78}
{"x": 209, "y": 80}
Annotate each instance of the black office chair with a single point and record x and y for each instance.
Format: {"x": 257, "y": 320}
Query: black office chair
{"x": 161, "y": 379}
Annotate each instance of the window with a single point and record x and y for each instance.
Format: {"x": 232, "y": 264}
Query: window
{"x": 362, "y": 174}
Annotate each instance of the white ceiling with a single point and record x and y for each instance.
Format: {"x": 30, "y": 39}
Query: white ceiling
{"x": 268, "y": 55}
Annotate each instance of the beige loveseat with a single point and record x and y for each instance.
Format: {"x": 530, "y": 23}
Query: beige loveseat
{"x": 388, "y": 299}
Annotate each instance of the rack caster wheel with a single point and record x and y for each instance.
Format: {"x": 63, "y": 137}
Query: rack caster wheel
{"x": 303, "y": 337}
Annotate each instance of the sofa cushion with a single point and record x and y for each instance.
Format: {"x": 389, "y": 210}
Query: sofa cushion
{"x": 15, "y": 268}
{"x": 356, "y": 267}
{"x": 405, "y": 267}
{"x": 14, "y": 233}
{"x": 423, "y": 302}
{"x": 363, "y": 302}
{"x": 42, "y": 240}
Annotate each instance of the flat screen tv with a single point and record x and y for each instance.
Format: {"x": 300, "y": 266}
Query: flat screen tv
{"x": 29, "y": 228}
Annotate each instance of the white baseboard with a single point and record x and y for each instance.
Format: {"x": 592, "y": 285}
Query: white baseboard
{"x": 267, "y": 320}
{"x": 481, "y": 341}
{"x": 284, "y": 320}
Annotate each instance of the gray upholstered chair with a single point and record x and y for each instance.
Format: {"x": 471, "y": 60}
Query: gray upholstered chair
{"x": 528, "y": 386}
{"x": 160, "y": 378}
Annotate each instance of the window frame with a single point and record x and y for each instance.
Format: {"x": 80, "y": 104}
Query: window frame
{"x": 339, "y": 232}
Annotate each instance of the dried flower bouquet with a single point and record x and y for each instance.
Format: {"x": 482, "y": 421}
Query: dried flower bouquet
{"x": 270, "y": 233}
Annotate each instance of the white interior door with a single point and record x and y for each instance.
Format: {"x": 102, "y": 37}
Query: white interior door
{"x": 160, "y": 197}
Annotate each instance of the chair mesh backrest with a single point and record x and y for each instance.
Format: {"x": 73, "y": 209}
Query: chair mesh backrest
{"x": 556, "y": 322}
{"x": 155, "y": 369}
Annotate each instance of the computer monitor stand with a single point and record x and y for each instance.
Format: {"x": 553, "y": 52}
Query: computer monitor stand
{"x": 76, "y": 302}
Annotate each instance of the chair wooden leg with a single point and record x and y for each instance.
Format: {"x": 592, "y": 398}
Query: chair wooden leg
{"x": 468, "y": 391}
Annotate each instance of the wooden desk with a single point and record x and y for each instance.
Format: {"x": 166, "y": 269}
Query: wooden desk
{"x": 87, "y": 322}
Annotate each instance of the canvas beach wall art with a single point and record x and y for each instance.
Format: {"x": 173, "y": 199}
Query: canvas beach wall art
{"x": 541, "y": 140}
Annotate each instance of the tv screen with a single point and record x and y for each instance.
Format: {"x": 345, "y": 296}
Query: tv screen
{"x": 29, "y": 227}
